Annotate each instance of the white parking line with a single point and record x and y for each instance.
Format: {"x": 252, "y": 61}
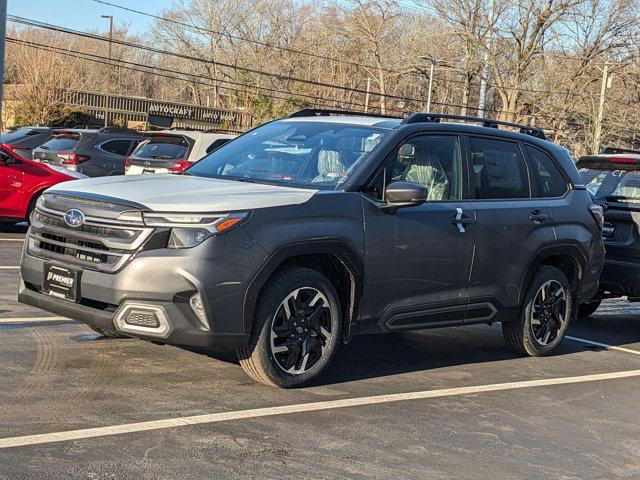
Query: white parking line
{"x": 602, "y": 345}
{"x": 32, "y": 320}
{"x": 299, "y": 408}
{"x": 9, "y": 268}
{"x": 12, "y": 240}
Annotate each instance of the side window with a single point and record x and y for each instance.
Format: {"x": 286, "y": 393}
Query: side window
{"x": 117, "y": 147}
{"x": 497, "y": 169}
{"x": 5, "y": 159}
{"x": 550, "y": 181}
{"x": 429, "y": 160}
{"x": 216, "y": 144}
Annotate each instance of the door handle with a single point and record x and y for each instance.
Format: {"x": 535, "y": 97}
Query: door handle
{"x": 538, "y": 217}
{"x": 460, "y": 220}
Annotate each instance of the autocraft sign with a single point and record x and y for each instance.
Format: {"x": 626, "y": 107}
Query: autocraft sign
{"x": 168, "y": 110}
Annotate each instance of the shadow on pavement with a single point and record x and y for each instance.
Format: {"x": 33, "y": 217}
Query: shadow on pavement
{"x": 18, "y": 228}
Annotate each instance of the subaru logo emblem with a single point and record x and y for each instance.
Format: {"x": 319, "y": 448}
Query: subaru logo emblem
{"x": 74, "y": 218}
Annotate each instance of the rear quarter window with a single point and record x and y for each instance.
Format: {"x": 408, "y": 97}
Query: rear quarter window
{"x": 216, "y": 144}
{"x": 546, "y": 174}
{"x": 117, "y": 147}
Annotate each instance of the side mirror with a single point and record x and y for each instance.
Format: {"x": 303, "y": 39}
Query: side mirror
{"x": 404, "y": 194}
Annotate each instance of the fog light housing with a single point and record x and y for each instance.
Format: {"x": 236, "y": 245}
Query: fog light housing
{"x": 198, "y": 308}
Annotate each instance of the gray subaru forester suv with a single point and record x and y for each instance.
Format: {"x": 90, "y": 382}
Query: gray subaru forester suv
{"x": 306, "y": 231}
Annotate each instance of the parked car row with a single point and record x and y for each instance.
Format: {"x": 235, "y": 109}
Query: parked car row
{"x": 295, "y": 237}
{"x": 35, "y": 158}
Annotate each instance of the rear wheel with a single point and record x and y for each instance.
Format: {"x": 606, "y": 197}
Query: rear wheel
{"x": 544, "y": 316}
{"x": 588, "y": 308}
{"x": 295, "y": 331}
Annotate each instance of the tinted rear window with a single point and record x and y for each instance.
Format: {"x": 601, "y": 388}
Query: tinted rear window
{"x": 163, "y": 147}
{"x": 60, "y": 143}
{"x": 616, "y": 182}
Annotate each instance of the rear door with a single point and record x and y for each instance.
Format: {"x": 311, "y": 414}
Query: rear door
{"x": 11, "y": 186}
{"x": 615, "y": 183}
{"x": 511, "y": 225}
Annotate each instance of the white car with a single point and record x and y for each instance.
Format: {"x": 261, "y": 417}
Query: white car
{"x": 172, "y": 151}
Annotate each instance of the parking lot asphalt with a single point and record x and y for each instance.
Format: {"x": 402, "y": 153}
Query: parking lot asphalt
{"x": 450, "y": 403}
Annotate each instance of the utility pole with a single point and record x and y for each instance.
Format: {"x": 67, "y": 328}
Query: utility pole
{"x": 482, "y": 100}
{"x": 431, "y": 72}
{"x": 366, "y": 97}
{"x": 108, "y": 86}
{"x": 3, "y": 33}
{"x": 606, "y": 84}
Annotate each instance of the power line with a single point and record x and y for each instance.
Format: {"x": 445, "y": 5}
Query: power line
{"x": 48, "y": 26}
{"x": 246, "y": 39}
{"x": 277, "y": 76}
{"x": 119, "y": 63}
{"x": 44, "y": 25}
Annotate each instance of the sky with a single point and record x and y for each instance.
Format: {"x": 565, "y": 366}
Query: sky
{"x": 85, "y": 14}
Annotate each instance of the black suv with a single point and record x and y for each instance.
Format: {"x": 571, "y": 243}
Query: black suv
{"x": 25, "y": 139}
{"x": 614, "y": 182}
{"x": 94, "y": 153}
{"x": 306, "y": 231}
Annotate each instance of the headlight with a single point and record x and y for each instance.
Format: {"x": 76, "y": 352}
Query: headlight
{"x": 190, "y": 230}
{"x": 187, "y": 237}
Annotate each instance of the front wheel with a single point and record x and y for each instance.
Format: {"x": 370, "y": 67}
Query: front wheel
{"x": 544, "y": 316}
{"x": 295, "y": 331}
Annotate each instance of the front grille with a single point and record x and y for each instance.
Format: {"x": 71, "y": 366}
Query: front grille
{"x": 94, "y": 245}
{"x": 88, "y": 229}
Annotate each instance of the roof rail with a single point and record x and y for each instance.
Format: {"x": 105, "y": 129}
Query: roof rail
{"x": 485, "y": 122}
{"x": 319, "y": 112}
{"x": 119, "y": 130}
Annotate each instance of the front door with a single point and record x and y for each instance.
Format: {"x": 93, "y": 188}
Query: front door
{"x": 418, "y": 259}
{"x": 11, "y": 186}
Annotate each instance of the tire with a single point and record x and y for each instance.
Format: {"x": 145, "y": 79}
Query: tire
{"x": 588, "y": 308}
{"x": 106, "y": 333}
{"x": 541, "y": 325}
{"x": 297, "y": 312}
{"x": 32, "y": 205}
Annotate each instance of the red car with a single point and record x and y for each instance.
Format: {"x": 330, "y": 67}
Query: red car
{"x": 21, "y": 183}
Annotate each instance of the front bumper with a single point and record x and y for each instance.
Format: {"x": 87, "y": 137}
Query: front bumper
{"x": 164, "y": 280}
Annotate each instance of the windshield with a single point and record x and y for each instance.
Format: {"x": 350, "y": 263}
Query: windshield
{"x": 318, "y": 155}
{"x": 615, "y": 182}
{"x": 163, "y": 147}
{"x": 60, "y": 143}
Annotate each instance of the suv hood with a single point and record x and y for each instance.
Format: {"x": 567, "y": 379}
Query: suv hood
{"x": 183, "y": 193}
